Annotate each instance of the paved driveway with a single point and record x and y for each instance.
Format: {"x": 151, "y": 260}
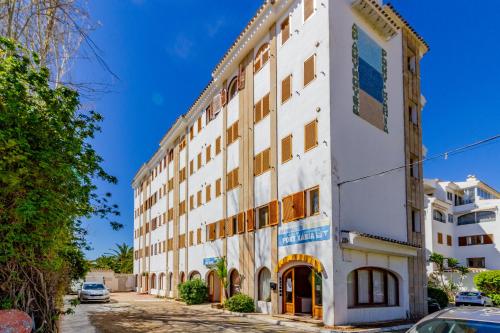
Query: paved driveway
{"x": 128, "y": 312}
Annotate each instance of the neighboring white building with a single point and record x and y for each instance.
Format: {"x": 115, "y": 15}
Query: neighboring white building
{"x": 312, "y": 95}
{"x": 462, "y": 221}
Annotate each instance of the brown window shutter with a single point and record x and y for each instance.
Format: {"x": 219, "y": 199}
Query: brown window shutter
{"x": 208, "y": 193}
{"x": 208, "y": 153}
{"x": 229, "y": 179}
{"x": 198, "y": 198}
{"x": 286, "y": 89}
{"x": 258, "y": 112}
{"x": 191, "y": 133}
{"x": 236, "y": 132}
{"x": 448, "y": 240}
{"x": 265, "y": 106}
{"x": 236, "y": 180}
{"x": 308, "y": 9}
{"x": 440, "y": 238}
{"x": 285, "y": 30}
{"x": 286, "y": 149}
{"x": 191, "y": 238}
{"x": 191, "y": 202}
{"x": 257, "y": 168}
{"x": 273, "y": 213}
{"x": 488, "y": 239}
{"x": 223, "y": 97}
{"x": 217, "y": 145}
{"x": 299, "y": 205}
{"x": 309, "y": 70}
{"x": 199, "y": 160}
{"x": 229, "y": 136}
{"x": 217, "y": 187}
{"x": 241, "y": 222}
{"x": 241, "y": 77}
{"x": 199, "y": 124}
{"x": 222, "y": 228}
{"x": 250, "y": 220}
{"x": 257, "y": 64}
{"x": 213, "y": 230}
{"x": 266, "y": 160}
{"x": 311, "y": 135}
{"x": 198, "y": 235}
{"x": 191, "y": 167}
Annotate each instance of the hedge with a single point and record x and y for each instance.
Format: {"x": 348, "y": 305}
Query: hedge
{"x": 240, "y": 303}
{"x": 439, "y": 295}
{"x": 193, "y": 291}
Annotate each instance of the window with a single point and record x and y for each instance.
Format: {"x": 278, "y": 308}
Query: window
{"x": 217, "y": 146}
{"x": 459, "y": 200}
{"x": 198, "y": 198}
{"x": 372, "y": 287}
{"x": 250, "y": 221}
{"x": 412, "y": 64}
{"x": 182, "y": 207}
{"x": 263, "y": 216}
{"x": 198, "y": 235}
{"x": 261, "y": 109}
{"x": 191, "y": 238}
{"x": 476, "y": 217}
{"x": 440, "y": 238}
{"x": 312, "y": 197}
{"x": 285, "y": 30}
{"x": 191, "y": 167}
{"x": 261, "y": 57}
{"x": 311, "y": 135}
{"x": 414, "y": 166}
{"x": 475, "y": 240}
{"x": 233, "y": 88}
{"x": 438, "y": 216}
{"x": 208, "y": 193}
{"x": 241, "y": 223}
{"x": 476, "y": 262}
{"x": 182, "y": 175}
{"x": 208, "y": 154}
{"x": 217, "y": 188}
{"x": 232, "y": 180}
{"x": 449, "y": 241}
{"x": 286, "y": 89}
{"x": 262, "y": 162}
{"x": 286, "y": 149}
{"x": 191, "y": 202}
{"x": 182, "y": 143}
{"x": 415, "y": 221}
{"x": 232, "y": 133}
{"x": 199, "y": 161}
{"x": 450, "y": 218}
{"x": 293, "y": 207}
{"x": 449, "y": 196}
{"x": 170, "y": 184}
{"x": 221, "y": 225}
{"x": 309, "y": 69}
{"x": 211, "y": 231}
{"x": 264, "y": 285}
{"x": 182, "y": 240}
{"x": 191, "y": 133}
{"x": 308, "y": 9}
{"x": 482, "y": 194}
{"x": 199, "y": 124}
{"x": 170, "y": 214}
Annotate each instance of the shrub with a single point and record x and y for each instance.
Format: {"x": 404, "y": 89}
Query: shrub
{"x": 495, "y": 298}
{"x": 240, "y": 303}
{"x": 488, "y": 282}
{"x": 439, "y": 295}
{"x": 193, "y": 291}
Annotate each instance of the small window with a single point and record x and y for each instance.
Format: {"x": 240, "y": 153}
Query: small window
{"x": 233, "y": 88}
{"x": 261, "y": 57}
{"x": 198, "y": 198}
{"x": 198, "y": 235}
{"x": 191, "y": 238}
{"x": 199, "y": 161}
{"x": 414, "y": 167}
{"x": 413, "y": 114}
{"x": 264, "y": 285}
{"x": 476, "y": 262}
{"x": 262, "y": 162}
{"x": 286, "y": 89}
{"x": 263, "y": 216}
{"x": 286, "y": 149}
{"x": 191, "y": 133}
{"x": 217, "y": 188}
{"x": 217, "y": 146}
{"x": 208, "y": 153}
{"x": 311, "y": 135}
{"x": 285, "y": 30}
{"x": 415, "y": 221}
{"x": 440, "y": 238}
{"x": 312, "y": 196}
{"x": 208, "y": 193}
{"x": 309, "y": 70}
{"x": 232, "y": 133}
{"x": 232, "y": 179}
{"x": 372, "y": 287}
{"x": 191, "y": 202}
{"x": 199, "y": 124}
{"x": 261, "y": 109}
{"x": 449, "y": 241}
{"x": 438, "y": 216}
{"x": 450, "y": 218}
{"x": 308, "y": 9}
{"x": 449, "y": 196}
{"x": 191, "y": 167}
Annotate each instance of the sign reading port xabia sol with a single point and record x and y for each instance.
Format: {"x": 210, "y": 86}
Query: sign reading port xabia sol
{"x": 304, "y": 232}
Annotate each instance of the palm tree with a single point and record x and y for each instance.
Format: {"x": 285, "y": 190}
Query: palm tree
{"x": 124, "y": 258}
{"x": 220, "y": 268}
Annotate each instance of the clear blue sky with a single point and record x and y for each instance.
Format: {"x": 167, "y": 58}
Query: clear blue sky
{"x": 164, "y": 51}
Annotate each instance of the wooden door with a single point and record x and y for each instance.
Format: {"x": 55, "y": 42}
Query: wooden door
{"x": 211, "y": 286}
{"x": 317, "y": 295}
{"x": 289, "y": 293}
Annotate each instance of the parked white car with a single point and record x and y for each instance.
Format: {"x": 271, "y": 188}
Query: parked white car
{"x": 92, "y": 291}
{"x": 472, "y": 298}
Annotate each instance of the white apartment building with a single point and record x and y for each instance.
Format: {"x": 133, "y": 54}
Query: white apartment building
{"x": 264, "y": 167}
{"x": 462, "y": 222}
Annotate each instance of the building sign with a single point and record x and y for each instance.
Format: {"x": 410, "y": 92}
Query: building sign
{"x": 305, "y": 233}
{"x": 210, "y": 261}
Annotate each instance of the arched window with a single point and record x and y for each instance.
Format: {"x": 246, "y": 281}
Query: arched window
{"x": 161, "y": 283}
{"x": 372, "y": 287}
{"x": 261, "y": 57}
{"x": 476, "y": 217}
{"x": 264, "y": 288}
{"x": 194, "y": 275}
{"x": 182, "y": 277}
{"x": 234, "y": 283}
{"x": 438, "y": 216}
{"x": 170, "y": 278}
{"x": 153, "y": 281}
{"x": 233, "y": 88}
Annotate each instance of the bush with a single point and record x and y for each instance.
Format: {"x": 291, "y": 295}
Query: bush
{"x": 495, "y": 298}
{"x": 488, "y": 282}
{"x": 439, "y": 295}
{"x": 193, "y": 291}
{"x": 240, "y": 303}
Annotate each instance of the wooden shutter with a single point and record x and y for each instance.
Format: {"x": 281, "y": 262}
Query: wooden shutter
{"x": 286, "y": 149}
{"x": 236, "y": 180}
{"x": 273, "y": 213}
{"x": 182, "y": 240}
{"x": 199, "y": 160}
{"x": 440, "y": 238}
{"x": 217, "y": 145}
{"x": 191, "y": 238}
{"x": 257, "y": 168}
{"x": 223, "y": 97}
{"x": 229, "y": 181}
{"x": 311, "y": 135}
{"x": 286, "y": 89}
{"x": 208, "y": 193}
{"x": 191, "y": 133}
{"x": 241, "y": 222}
{"x": 212, "y": 231}
{"x": 448, "y": 240}
{"x": 191, "y": 167}
{"x": 257, "y": 112}
{"x": 191, "y": 202}
{"x": 265, "y": 106}
{"x": 309, "y": 69}
{"x": 299, "y": 205}
{"x": 308, "y": 9}
{"x": 285, "y": 30}
{"x": 241, "y": 77}
{"x": 198, "y": 198}
{"x": 266, "y": 159}
{"x": 199, "y": 124}
{"x": 198, "y": 235}
{"x": 250, "y": 220}
{"x": 229, "y": 136}
{"x": 217, "y": 187}
{"x": 208, "y": 153}
{"x": 288, "y": 214}
{"x": 236, "y": 133}
{"x": 488, "y": 239}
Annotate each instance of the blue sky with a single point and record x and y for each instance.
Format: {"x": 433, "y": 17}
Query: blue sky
{"x": 164, "y": 51}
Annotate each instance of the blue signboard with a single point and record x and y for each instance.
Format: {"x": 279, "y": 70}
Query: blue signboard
{"x": 210, "y": 261}
{"x": 300, "y": 236}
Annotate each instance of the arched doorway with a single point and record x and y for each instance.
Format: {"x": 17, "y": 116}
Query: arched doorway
{"x": 182, "y": 277}
{"x": 153, "y": 281}
{"x": 194, "y": 275}
{"x": 214, "y": 287}
{"x": 146, "y": 283}
{"x": 234, "y": 283}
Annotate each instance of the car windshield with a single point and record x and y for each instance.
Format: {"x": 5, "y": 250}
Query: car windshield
{"x": 455, "y": 326}
{"x": 469, "y": 293}
{"x": 93, "y": 286}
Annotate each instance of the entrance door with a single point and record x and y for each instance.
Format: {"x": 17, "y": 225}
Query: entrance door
{"x": 214, "y": 289}
{"x": 288, "y": 283}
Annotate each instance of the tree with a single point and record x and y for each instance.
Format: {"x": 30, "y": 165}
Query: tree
{"x": 443, "y": 264}
{"x": 47, "y": 185}
{"x": 124, "y": 258}
{"x": 489, "y": 283}
{"x": 220, "y": 268}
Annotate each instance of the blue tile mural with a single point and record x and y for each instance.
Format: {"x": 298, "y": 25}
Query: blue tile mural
{"x": 369, "y": 79}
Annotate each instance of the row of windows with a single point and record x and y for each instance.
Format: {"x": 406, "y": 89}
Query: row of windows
{"x": 475, "y": 240}
{"x": 449, "y": 240}
{"x": 208, "y": 156}
{"x": 309, "y": 76}
{"x": 469, "y": 218}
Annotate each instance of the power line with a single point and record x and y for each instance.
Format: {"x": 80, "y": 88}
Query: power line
{"x": 446, "y": 154}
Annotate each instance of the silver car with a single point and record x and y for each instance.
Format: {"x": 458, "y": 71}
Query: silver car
{"x": 93, "y": 291}
{"x": 460, "y": 320}
{"x": 472, "y": 298}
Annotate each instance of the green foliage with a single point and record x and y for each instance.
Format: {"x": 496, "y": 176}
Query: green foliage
{"x": 47, "y": 186}
{"x": 442, "y": 264}
{"x": 193, "y": 291}
{"x": 495, "y": 298}
{"x": 121, "y": 261}
{"x": 240, "y": 303}
{"x": 439, "y": 295}
{"x": 488, "y": 282}
{"x": 220, "y": 268}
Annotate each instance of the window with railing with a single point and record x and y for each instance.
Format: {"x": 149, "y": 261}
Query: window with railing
{"x": 476, "y": 217}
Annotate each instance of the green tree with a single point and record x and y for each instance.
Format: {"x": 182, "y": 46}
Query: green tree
{"x": 220, "y": 268}
{"x": 443, "y": 264}
{"x": 489, "y": 283}
{"x": 124, "y": 258}
{"x": 47, "y": 186}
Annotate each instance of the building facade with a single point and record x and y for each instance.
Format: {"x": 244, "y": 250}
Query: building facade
{"x": 268, "y": 169}
{"x": 461, "y": 219}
